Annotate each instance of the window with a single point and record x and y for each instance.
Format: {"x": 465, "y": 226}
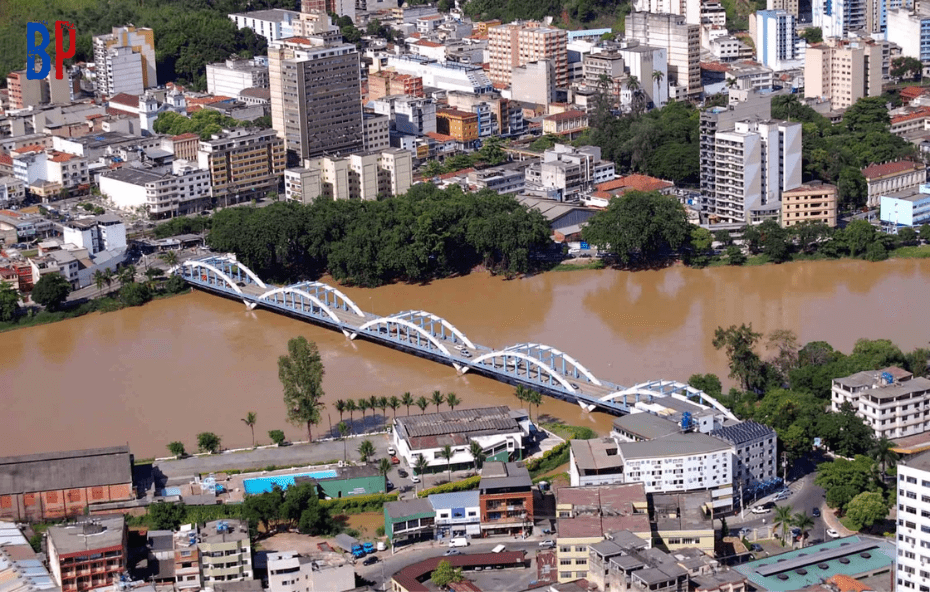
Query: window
{"x": 565, "y": 561}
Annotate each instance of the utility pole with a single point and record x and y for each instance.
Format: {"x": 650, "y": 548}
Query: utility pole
{"x": 784, "y": 466}
{"x": 742, "y": 503}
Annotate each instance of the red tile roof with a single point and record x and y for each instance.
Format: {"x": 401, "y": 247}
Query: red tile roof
{"x": 443, "y": 177}
{"x": 61, "y": 157}
{"x": 30, "y": 148}
{"x": 453, "y": 112}
{"x": 572, "y": 114}
{"x": 6, "y": 159}
{"x": 636, "y": 182}
{"x": 848, "y": 583}
{"x": 714, "y": 66}
{"x": 409, "y": 577}
{"x": 125, "y": 99}
{"x": 439, "y": 137}
{"x": 187, "y": 136}
{"x": 921, "y": 113}
{"x": 912, "y": 92}
{"x": 427, "y": 43}
{"x": 890, "y": 168}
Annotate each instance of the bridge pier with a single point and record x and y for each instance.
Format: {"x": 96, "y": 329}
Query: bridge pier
{"x": 351, "y": 335}
{"x": 249, "y": 305}
{"x": 460, "y": 368}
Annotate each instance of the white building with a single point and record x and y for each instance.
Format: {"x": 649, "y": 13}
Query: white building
{"x": 457, "y": 513}
{"x": 643, "y": 61}
{"x": 570, "y": 171}
{"x": 124, "y": 61}
{"x": 122, "y": 70}
{"x": 691, "y": 9}
{"x": 48, "y": 172}
{"x": 910, "y": 207}
{"x": 891, "y": 401}
{"x": 498, "y": 430}
{"x": 363, "y": 176}
{"x": 161, "y": 195}
{"x": 446, "y": 76}
{"x": 377, "y": 131}
{"x": 913, "y": 532}
{"x": 271, "y": 24}
{"x": 101, "y": 233}
{"x": 229, "y": 540}
{"x": 290, "y": 572}
{"x": 12, "y": 191}
{"x": 836, "y": 18}
{"x": 909, "y": 30}
{"x": 777, "y": 43}
{"x": 410, "y": 115}
{"x": 229, "y": 78}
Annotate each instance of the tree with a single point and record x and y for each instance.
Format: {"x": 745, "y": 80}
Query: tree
{"x": 208, "y": 442}
{"x": 384, "y": 467}
{"x": 51, "y": 290}
{"x": 866, "y": 509}
{"x": 700, "y": 252}
{"x": 263, "y": 509}
{"x": 366, "y": 450}
{"x": 446, "y": 453}
{"x": 925, "y": 233}
{"x": 852, "y": 188}
{"x": 422, "y": 403}
{"x": 916, "y": 362}
{"x": 882, "y": 452}
{"x": 437, "y": 399}
{"x": 127, "y": 274}
{"x": 782, "y": 519}
{"x": 735, "y": 255}
{"x": 812, "y": 35}
{"x": 176, "y": 449}
{"x": 407, "y": 400}
{"x": 249, "y": 420}
{"x": 844, "y": 479}
{"x": 445, "y": 574}
{"x": 804, "y": 522}
{"x": 343, "y": 428}
{"x": 724, "y": 528}
{"x": 452, "y": 400}
{"x": 638, "y": 226}
{"x": 420, "y": 465}
{"x": 745, "y": 364}
{"x": 165, "y": 516}
{"x": 340, "y": 406}
{"x": 536, "y": 399}
{"x": 723, "y": 237}
{"x": 170, "y": 258}
{"x": 296, "y": 499}
{"x": 277, "y": 436}
{"x": 477, "y": 453}
{"x": 906, "y": 67}
{"x": 521, "y": 393}
{"x": 785, "y": 345}
{"x": 709, "y": 383}
{"x": 845, "y": 432}
{"x": 351, "y": 407}
{"x": 868, "y": 114}
{"x": 301, "y": 375}
{"x": 393, "y": 403}
{"x": 774, "y": 241}
{"x": 382, "y": 405}
{"x": 9, "y": 302}
{"x": 133, "y": 294}
{"x": 907, "y": 236}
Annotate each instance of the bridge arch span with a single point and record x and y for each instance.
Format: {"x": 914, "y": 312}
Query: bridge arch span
{"x": 193, "y": 264}
{"x": 422, "y": 314}
{"x": 289, "y": 290}
{"x": 647, "y": 389}
{"x": 554, "y": 353}
{"x": 530, "y": 360}
{"x": 337, "y": 293}
{"x": 232, "y": 261}
{"x": 387, "y": 321}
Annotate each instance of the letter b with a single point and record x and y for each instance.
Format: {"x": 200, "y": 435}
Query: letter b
{"x": 63, "y": 28}
{"x": 34, "y": 51}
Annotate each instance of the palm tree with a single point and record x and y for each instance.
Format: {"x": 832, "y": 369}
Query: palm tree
{"x": 407, "y": 399}
{"x": 420, "y": 467}
{"x": 658, "y": 75}
{"x": 632, "y": 83}
{"x": 782, "y": 518}
{"x": 883, "y": 453}
{"x": 108, "y": 277}
{"x": 521, "y": 393}
{"x": 99, "y": 280}
{"x": 343, "y": 428}
{"x": 804, "y": 522}
{"x": 731, "y": 82}
{"x": 127, "y": 274}
{"x": 363, "y": 407}
{"x": 351, "y": 408}
{"x": 384, "y": 467}
{"x": 340, "y": 406}
{"x": 477, "y": 453}
{"x": 535, "y": 398}
{"x": 249, "y": 420}
{"x": 382, "y": 405}
{"x": 366, "y": 450}
{"x": 422, "y": 403}
{"x": 170, "y": 258}
{"x": 437, "y": 399}
{"x": 150, "y": 275}
{"x": 393, "y": 403}
{"x": 446, "y": 453}
{"x": 452, "y": 400}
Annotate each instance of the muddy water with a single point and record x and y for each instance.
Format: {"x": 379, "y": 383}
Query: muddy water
{"x": 173, "y": 368}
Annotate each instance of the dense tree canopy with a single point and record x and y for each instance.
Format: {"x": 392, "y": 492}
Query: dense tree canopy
{"x": 424, "y": 234}
{"x": 51, "y": 290}
{"x": 204, "y": 123}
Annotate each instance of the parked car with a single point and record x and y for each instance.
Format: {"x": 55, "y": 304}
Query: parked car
{"x": 395, "y": 460}
{"x": 796, "y": 531}
{"x": 548, "y": 544}
{"x": 402, "y": 473}
{"x": 760, "y": 510}
{"x": 832, "y": 533}
{"x": 414, "y": 479}
{"x": 458, "y": 542}
{"x": 392, "y": 451}
{"x": 815, "y": 512}
{"x": 389, "y": 484}
{"x": 745, "y": 532}
{"x": 756, "y": 547}
{"x": 451, "y": 552}
{"x": 370, "y": 560}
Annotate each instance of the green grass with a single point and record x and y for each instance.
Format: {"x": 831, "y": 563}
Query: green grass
{"x": 596, "y": 264}
{"x": 921, "y": 252}
{"x": 570, "y": 432}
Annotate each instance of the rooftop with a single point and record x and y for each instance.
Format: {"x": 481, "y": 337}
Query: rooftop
{"x": 673, "y": 445}
{"x": 683, "y": 511}
{"x": 65, "y": 470}
{"x": 881, "y": 390}
{"x": 646, "y": 425}
{"x": 567, "y": 115}
{"x": 125, "y": 99}
{"x": 601, "y": 509}
{"x": 410, "y": 577}
{"x": 277, "y": 15}
{"x": 596, "y": 455}
{"x": 504, "y": 475}
{"x": 456, "y": 499}
{"x": 92, "y": 535}
{"x": 636, "y": 182}
{"x": 897, "y": 167}
{"x": 407, "y": 508}
{"x": 434, "y": 430}
{"x": 743, "y": 432}
{"x": 224, "y": 531}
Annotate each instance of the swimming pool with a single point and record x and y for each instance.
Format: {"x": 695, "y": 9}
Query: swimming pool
{"x": 266, "y": 484}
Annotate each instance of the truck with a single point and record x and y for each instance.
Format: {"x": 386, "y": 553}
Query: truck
{"x": 358, "y": 551}
{"x": 458, "y": 542}
{"x": 368, "y": 548}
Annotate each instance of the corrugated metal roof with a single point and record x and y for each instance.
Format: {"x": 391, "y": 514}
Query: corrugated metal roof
{"x": 456, "y": 499}
{"x": 459, "y": 421}
{"x": 65, "y": 470}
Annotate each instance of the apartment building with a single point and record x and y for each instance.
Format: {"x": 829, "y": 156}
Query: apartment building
{"x": 183, "y": 146}
{"x": 913, "y": 532}
{"x": 100, "y": 233}
{"x": 909, "y": 29}
{"x": 186, "y": 558}
{"x": 586, "y": 514}
{"x": 363, "y": 176}
{"x": 570, "y": 171}
{"x": 290, "y": 572}
{"x": 837, "y": 18}
{"x": 753, "y": 164}
{"x": 777, "y": 43}
{"x": 389, "y": 82}
{"x": 891, "y": 177}
{"x": 229, "y": 78}
{"x": 811, "y": 202}
{"x": 184, "y": 191}
{"x": 377, "y": 131}
{"x": 316, "y": 104}
{"x": 843, "y": 71}
{"x": 496, "y": 115}
{"x": 533, "y": 83}
{"x": 225, "y": 551}
{"x": 519, "y": 43}
{"x": 50, "y": 174}
{"x": 755, "y": 453}
{"x": 87, "y": 555}
{"x": 644, "y": 61}
{"x": 242, "y": 163}
{"x": 506, "y": 498}
{"x": 891, "y": 401}
{"x": 448, "y": 76}
{"x": 125, "y": 61}
{"x": 23, "y": 92}
{"x": 910, "y": 207}
{"x": 408, "y": 115}
{"x": 790, "y": 6}
{"x": 568, "y": 123}
{"x": 690, "y": 9}
{"x": 273, "y": 25}
{"x": 462, "y": 126}
{"x": 12, "y": 191}
{"x": 680, "y": 39}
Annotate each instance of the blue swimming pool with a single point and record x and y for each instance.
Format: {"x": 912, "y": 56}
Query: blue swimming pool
{"x": 265, "y": 484}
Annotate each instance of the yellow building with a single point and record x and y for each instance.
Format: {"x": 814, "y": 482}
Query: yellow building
{"x": 585, "y": 513}
{"x": 461, "y": 125}
{"x": 243, "y": 164}
{"x": 684, "y": 520}
{"x": 811, "y": 202}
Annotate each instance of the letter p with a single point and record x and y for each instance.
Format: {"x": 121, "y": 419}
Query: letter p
{"x": 37, "y": 51}
{"x": 63, "y": 28}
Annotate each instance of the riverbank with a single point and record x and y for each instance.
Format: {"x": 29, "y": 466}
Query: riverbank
{"x": 911, "y": 252}
{"x": 103, "y": 304}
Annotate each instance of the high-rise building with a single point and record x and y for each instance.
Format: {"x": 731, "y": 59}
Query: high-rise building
{"x": 231, "y": 77}
{"x": 913, "y": 532}
{"x": 755, "y": 163}
{"x": 683, "y": 43}
{"x": 125, "y": 61}
{"x": 790, "y": 6}
{"x": 777, "y": 43}
{"x": 533, "y": 82}
{"x": 911, "y": 31}
{"x": 25, "y": 92}
{"x": 843, "y": 71}
{"x": 519, "y": 43}
{"x": 690, "y": 9}
{"x": 316, "y": 104}
{"x": 243, "y": 163}
{"x": 836, "y": 18}
{"x": 362, "y": 176}
{"x": 876, "y": 13}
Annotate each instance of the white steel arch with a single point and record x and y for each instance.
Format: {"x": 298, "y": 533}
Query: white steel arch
{"x": 452, "y": 328}
{"x": 584, "y": 371}
{"x": 530, "y": 359}
{"x": 192, "y": 263}
{"x": 248, "y": 272}
{"x": 338, "y": 293}
{"x": 643, "y": 390}
{"x": 307, "y": 295}
{"x": 409, "y": 325}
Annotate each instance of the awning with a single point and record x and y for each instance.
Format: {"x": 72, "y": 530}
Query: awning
{"x": 473, "y": 529}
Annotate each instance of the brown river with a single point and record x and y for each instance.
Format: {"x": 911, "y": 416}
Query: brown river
{"x": 194, "y": 363}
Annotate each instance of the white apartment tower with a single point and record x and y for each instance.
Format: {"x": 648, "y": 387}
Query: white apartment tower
{"x": 125, "y": 61}
{"x": 681, "y": 40}
{"x": 836, "y": 18}
{"x": 912, "y": 566}
{"x": 777, "y": 43}
{"x": 690, "y": 9}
